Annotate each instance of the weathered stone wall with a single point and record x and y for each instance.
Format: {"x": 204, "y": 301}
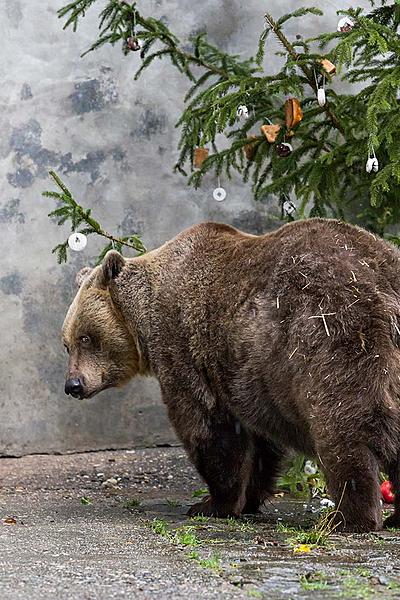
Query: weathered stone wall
{"x": 114, "y": 142}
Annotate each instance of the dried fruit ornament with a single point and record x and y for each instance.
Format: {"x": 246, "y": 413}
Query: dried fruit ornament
{"x": 293, "y": 113}
{"x": 271, "y": 131}
{"x": 199, "y": 156}
{"x": 250, "y": 148}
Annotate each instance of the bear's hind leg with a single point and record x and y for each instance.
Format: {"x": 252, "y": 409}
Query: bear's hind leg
{"x": 267, "y": 460}
{"x": 353, "y": 481}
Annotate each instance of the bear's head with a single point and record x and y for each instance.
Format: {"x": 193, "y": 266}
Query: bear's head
{"x": 103, "y": 352}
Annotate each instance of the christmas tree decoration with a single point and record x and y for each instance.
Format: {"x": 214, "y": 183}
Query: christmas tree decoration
{"x": 293, "y": 113}
{"x": 271, "y": 132}
{"x": 242, "y": 112}
{"x": 133, "y": 43}
{"x": 250, "y": 148}
{"x": 219, "y": 194}
{"x": 77, "y": 241}
{"x": 289, "y": 208}
{"x": 345, "y": 24}
{"x": 321, "y": 96}
{"x": 364, "y": 107}
{"x": 200, "y": 155}
{"x": 284, "y": 149}
{"x": 69, "y": 210}
{"x": 372, "y": 165}
{"x": 328, "y": 66}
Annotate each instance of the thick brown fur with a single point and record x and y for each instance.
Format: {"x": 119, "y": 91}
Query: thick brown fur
{"x": 261, "y": 344}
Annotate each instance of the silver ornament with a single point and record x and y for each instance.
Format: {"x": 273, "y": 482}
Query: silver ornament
{"x": 219, "y": 194}
{"x": 289, "y": 208}
{"x": 77, "y": 241}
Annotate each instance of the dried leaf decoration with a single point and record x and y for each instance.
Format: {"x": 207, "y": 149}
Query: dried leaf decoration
{"x": 293, "y": 112}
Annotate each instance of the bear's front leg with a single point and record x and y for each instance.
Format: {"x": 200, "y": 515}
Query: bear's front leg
{"x": 224, "y": 460}
{"x": 219, "y": 448}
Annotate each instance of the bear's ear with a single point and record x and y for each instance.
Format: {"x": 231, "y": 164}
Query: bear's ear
{"x": 82, "y": 275}
{"x": 112, "y": 266}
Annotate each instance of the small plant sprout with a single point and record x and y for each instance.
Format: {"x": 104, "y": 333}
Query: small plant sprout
{"x": 173, "y": 503}
{"x": 186, "y": 536}
{"x": 159, "y": 526}
{"x": 213, "y": 562}
{"x": 85, "y": 500}
{"x": 200, "y": 493}
{"x": 131, "y": 504}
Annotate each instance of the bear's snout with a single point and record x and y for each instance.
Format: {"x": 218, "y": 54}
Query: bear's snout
{"x": 74, "y": 387}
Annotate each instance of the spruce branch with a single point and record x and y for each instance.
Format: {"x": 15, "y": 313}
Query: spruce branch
{"x": 276, "y": 29}
{"x": 70, "y": 210}
{"x": 326, "y": 170}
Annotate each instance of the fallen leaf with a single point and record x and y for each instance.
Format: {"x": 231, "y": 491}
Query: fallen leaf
{"x": 302, "y": 548}
{"x": 9, "y": 521}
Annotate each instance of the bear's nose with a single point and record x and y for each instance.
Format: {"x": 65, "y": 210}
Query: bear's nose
{"x": 74, "y": 387}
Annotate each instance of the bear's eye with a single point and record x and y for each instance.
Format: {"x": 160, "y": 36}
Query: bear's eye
{"x": 66, "y": 347}
{"x": 84, "y": 339}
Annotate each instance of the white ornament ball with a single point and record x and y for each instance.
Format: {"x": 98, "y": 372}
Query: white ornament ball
{"x": 345, "y": 25}
{"x": 77, "y": 241}
{"x": 219, "y": 194}
{"x": 321, "y": 96}
{"x": 310, "y": 468}
{"x": 242, "y": 112}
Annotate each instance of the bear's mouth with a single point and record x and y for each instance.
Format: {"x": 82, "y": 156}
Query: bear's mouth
{"x": 87, "y": 395}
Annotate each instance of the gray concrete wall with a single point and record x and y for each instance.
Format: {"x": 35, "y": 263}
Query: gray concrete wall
{"x": 114, "y": 142}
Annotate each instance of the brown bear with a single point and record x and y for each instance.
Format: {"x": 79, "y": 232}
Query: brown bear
{"x": 262, "y": 345}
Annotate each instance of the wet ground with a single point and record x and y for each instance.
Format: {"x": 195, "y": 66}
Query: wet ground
{"x": 112, "y": 525}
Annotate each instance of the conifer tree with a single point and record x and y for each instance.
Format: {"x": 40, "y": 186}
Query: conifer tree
{"x": 336, "y": 156}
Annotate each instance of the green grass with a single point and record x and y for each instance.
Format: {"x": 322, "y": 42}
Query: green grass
{"x": 200, "y": 493}
{"x": 85, "y": 500}
{"x": 213, "y": 562}
{"x": 317, "y": 535}
{"x": 160, "y": 527}
{"x": 239, "y": 525}
{"x": 183, "y": 536}
{"x": 131, "y": 504}
{"x": 200, "y": 519}
{"x": 313, "y": 581}
{"x": 186, "y": 536}
{"x": 352, "y": 587}
{"x": 173, "y": 503}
